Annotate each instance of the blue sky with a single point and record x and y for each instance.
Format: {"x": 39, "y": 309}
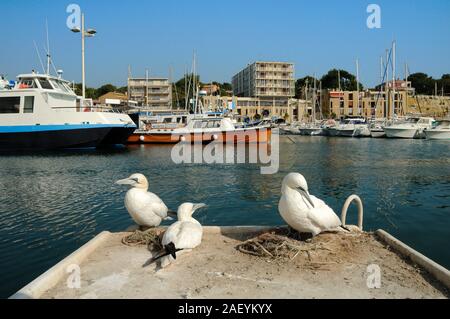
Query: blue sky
{"x": 227, "y": 35}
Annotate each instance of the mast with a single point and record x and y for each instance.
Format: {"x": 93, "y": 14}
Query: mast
{"x": 393, "y": 77}
{"x": 386, "y": 88}
{"x": 357, "y": 84}
{"x": 405, "y": 107}
{"x": 48, "y": 48}
{"x": 146, "y": 84}
{"x": 314, "y": 98}
{"x": 339, "y": 80}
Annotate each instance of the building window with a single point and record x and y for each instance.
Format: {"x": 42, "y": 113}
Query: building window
{"x": 28, "y": 105}
{"x": 9, "y": 105}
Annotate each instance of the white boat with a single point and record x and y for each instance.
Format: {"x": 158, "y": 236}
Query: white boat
{"x": 42, "y": 112}
{"x": 353, "y": 126}
{"x": 410, "y": 128}
{"x": 376, "y": 129}
{"x": 312, "y": 129}
{"x": 440, "y": 132}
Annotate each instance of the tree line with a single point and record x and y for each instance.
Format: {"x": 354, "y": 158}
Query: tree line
{"x": 423, "y": 83}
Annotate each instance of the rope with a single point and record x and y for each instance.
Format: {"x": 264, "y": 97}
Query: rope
{"x": 274, "y": 246}
{"x": 150, "y": 238}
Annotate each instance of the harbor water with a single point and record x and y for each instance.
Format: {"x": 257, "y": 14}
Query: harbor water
{"x": 52, "y": 203}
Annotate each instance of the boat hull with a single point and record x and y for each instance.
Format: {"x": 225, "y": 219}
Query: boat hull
{"x": 407, "y": 133}
{"x": 438, "y": 134}
{"x": 53, "y": 139}
{"x": 117, "y": 135}
{"x": 377, "y": 133}
{"x": 238, "y": 137}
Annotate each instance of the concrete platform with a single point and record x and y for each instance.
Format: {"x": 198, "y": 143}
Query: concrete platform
{"x": 216, "y": 269}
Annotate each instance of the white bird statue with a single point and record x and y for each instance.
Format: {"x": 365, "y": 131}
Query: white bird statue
{"x": 183, "y": 235}
{"x": 146, "y": 209}
{"x": 303, "y": 212}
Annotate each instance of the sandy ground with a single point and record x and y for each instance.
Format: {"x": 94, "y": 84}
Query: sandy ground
{"x": 333, "y": 266}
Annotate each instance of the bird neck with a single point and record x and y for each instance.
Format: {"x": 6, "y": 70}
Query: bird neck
{"x": 187, "y": 218}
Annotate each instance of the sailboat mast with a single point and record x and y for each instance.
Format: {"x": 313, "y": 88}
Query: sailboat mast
{"x": 314, "y": 98}
{"x": 357, "y": 84}
{"x": 393, "y": 77}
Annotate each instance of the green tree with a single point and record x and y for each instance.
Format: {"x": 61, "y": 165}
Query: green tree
{"x": 300, "y": 84}
{"x": 105, "y": 89}
{"x": 178, "y": 90}
{"x": 348, "y": 80}
{"x": 423, "y": 83}
{"x": 444, "y": 84}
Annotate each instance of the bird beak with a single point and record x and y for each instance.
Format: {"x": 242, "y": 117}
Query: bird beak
{"x": 197, "y": 206}
{"x": 126, "y": 181}
{"x": 305, "y": 194}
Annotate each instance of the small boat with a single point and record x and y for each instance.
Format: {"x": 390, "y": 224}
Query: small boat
{"x": 351, "y": 126}
{"x": 376, "y": 129}
{"x": 42, "y": 112}
{"x": 312, "y": 129}
{"x": 409, "y": 128}
{"x": 440, "y": 132}
{"x": 195, "y": 128}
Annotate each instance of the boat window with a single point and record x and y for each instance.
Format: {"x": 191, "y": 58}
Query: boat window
{"x": 167, "y": 120}
{"x": 211, "y": 124}
{"x": 184, "y": 119}
{"x": 204, "y": 124}
{"x": 45, "y": 84}
{"x": 9, "y": 104}
{"x": 58, "y": 85}
{"x": 197, "y": 124}
{"x": 27, "y": 84}
{"x": 28, "y": 106}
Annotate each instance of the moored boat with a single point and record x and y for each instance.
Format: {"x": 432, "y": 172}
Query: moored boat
{"x": 42, "y": 112}
{"x": 200, "y": 129}
{"x": 410, "y": 128}
{"x": 440, "y": 132}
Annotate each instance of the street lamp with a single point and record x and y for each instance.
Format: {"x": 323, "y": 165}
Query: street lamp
{"x": 84, "y": 33}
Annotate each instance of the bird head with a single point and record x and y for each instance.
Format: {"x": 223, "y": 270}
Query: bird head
{"x": 186, "y": 210}
{"x": 297, "y": 182}
{"x": 135, "y": 180}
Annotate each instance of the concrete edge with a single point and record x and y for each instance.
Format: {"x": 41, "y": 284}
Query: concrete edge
{"x": 437, "y": 271}
{"x": 52, "y": 276}
{"x": 238, "y": 229}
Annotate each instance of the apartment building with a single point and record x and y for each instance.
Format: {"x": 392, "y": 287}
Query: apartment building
{"x": 369, "y": 104}
{"x": 155, "y": 93}
{"x": 265, "y": 79}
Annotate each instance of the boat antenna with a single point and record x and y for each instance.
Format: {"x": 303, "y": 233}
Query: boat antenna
{"x": 39, "y": 56}
{"x": 48, "y": 48}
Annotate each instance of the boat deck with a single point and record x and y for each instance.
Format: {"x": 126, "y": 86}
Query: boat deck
{"x": 217, "y": 269}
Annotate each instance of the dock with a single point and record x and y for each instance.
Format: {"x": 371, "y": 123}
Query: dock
{"x": 216, "y": 269}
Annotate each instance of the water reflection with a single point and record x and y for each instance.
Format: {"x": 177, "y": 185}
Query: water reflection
{"x": 51, "y": 203}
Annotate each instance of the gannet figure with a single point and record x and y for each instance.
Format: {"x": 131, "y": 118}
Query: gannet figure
{"x": 183, "y": 235}
{"x": 146, "y": 209}
{"x": 303, "y": 212}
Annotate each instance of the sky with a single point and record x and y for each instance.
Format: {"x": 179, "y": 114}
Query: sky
{"x": 226, "y": 36}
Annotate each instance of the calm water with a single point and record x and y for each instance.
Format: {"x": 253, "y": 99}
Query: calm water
{"x": 52, "y": 203}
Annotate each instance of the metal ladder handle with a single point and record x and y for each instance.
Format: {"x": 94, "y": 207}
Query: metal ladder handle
{"x": 357, "y": 199}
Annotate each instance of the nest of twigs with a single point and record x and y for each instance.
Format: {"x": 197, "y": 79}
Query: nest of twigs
{"x": 278, "y": 246}
{"x": 150, "y": 238}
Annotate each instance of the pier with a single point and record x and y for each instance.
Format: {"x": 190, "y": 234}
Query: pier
{"x": 216, "y": 269}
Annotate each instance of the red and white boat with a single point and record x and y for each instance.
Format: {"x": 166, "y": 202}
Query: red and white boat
{"x": 197, "y": 128}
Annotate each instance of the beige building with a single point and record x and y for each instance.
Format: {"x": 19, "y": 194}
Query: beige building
{"x": 152, "y": 92}
{"x": 265, "y": 79}
{"x": 266, "y": 89}
{"x": 254, "y": 108}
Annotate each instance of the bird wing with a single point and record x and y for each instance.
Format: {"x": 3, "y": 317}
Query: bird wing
{"x": 323, "y": 215}
{"x": 185, "y": 235}
{"x": 155, "y": 203}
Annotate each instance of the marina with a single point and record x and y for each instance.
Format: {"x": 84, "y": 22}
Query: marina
{"x": 153, "y": 167}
